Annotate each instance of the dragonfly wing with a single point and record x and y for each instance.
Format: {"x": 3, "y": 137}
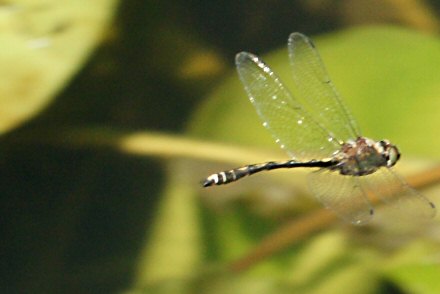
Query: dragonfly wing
{"x": 316, "y": 90}
{"x": 290, "y": 124}
{"x": 392, "y": 189}
{"x": 342, "y": 194}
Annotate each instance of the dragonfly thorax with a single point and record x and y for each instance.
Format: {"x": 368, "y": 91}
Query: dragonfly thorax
{"x": 364, "y": 156}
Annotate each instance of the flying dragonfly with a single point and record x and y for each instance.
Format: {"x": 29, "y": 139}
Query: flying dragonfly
{"x": 317, "y": 131}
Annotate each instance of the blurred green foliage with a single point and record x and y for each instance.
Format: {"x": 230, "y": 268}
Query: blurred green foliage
{"x": 81, "y": 214}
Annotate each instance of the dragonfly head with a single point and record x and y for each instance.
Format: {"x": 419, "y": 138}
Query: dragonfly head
{"x": 388, "y": 151}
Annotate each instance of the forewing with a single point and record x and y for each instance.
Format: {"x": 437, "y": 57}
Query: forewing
{"x": 290, "y": 124}
{"x": 342, "y": 194}
{"x": 316, "y": 91}
{"x": 392, "y": 189}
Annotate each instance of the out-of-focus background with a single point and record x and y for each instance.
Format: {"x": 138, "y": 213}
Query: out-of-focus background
{"x": 112, "y": 112}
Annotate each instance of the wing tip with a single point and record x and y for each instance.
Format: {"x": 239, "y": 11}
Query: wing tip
{"x": 296, "y": 36}
{"x": 243, "y": 57}
{"x": 364, "y": 219}
{"x": 433, "y": 212}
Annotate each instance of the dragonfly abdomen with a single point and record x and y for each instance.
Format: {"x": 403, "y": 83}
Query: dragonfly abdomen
{"x": 233, "y": 175}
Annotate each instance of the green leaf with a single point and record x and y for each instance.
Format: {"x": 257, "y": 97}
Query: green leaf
{"x": 43, "y": 45}
{"x": 415, "y": 268}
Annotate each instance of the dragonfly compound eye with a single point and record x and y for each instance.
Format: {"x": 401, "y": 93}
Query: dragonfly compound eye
{"x": 392, "y": 156}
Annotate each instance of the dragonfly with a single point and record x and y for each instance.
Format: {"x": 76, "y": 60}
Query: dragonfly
{"x": 317, "y": 130}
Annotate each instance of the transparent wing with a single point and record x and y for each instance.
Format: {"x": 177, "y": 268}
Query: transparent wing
{"x": 316, "y": 91}
{"x": 395, "y": 191}
{"x": 342, "y": 194}
{"x": 291, "y": 126}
